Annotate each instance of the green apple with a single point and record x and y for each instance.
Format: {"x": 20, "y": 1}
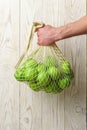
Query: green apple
{"x": 64, "y": 82}
{"x": 52, "y": 88}
{"x": 34, "y": 86}
{"x": 30, "y": 62}
{"x": 56, "y": 88}
{"x": 30, "y": 73}
{"x": 65, "y": 67}
{"x": 49, "y": 88}
{"x": 19, "y": 74}
{"x": 43, "y": 78}
{"x": 50, "y": 61}
{"x": 53, "y": 72}
{"x": 41, "y": 68}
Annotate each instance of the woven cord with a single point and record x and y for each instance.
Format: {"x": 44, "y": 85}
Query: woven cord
{"x": 58, "y": 52}
{"x": 34, "y": 27}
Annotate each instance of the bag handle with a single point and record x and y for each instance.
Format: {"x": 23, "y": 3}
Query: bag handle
{"x": 34, "y": 27}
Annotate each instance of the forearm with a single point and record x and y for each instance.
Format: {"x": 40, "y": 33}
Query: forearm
{"x": 49, "y": 34}
{"x": 73, "y": 29}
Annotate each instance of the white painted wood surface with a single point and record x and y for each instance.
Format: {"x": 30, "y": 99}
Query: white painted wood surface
{"x": 20, "y": 107}
{"x": 9, "y": 53}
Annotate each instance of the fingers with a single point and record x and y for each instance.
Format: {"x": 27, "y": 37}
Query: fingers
{"x": 40, "y": 35}
{"x": 44, "y": 35}
{"x": 40, "y": 30}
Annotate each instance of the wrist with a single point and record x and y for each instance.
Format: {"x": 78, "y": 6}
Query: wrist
{"x": 64, "y": 32}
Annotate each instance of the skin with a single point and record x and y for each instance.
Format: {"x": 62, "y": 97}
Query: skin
{"x": 49, "y": 34}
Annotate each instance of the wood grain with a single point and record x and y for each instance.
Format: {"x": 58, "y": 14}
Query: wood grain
{"x": 20, "y": 107}
{"x": 25, "y": 92}
{"x": 46, "y": 110}
{"x": 9, "y": 46}
{"x": 75, "y": 51}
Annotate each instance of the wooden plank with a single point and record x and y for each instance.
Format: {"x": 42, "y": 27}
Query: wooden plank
{"x": 25, "y": 92}
{"x": 40, "y": 111}
{"x": 52, "y": 105}
{"x": 75, "y": 51}
{"x": 9, "y": 44}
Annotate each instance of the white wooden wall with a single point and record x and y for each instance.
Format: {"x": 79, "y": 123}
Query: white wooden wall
{"x": 20, "y": 107}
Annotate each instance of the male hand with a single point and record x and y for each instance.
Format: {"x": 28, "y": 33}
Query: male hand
{"x": 46, "y": 35}
{"x": 49, "y": 34}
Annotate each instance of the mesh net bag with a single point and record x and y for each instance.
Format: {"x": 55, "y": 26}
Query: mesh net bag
{"x": 45, "y": 69}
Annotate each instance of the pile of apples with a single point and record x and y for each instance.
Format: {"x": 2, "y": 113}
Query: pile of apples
{"x": 51, "y": 76}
